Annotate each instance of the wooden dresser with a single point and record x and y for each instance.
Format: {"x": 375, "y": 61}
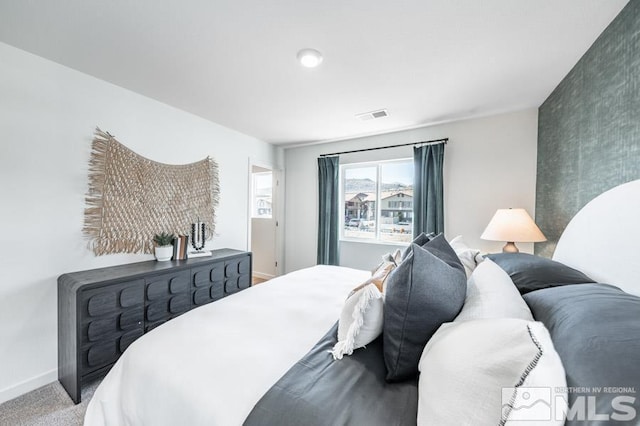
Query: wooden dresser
{"x": 102, "y": 311}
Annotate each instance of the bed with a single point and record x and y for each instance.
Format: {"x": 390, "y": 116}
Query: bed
{"x": 261, "y": 356}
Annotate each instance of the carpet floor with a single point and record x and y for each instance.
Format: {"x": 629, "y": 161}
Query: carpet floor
{"x": 47, "y": 406}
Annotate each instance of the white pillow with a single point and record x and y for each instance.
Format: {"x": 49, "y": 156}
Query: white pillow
{"x": 476, "y": 372}
{"x": 492, "y": 294}
{"x": 470, "y": 258}
{"x": 360, "y": 322}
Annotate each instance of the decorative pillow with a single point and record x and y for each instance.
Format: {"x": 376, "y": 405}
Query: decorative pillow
{"x": 395, "y": 258}
{"x": 420, "y": 240}
{"x": 360, "y": 322}
{"x": 596, "y": 330}
{"x": 529, "y": 272}
{"x": 425, "y": 290}
{"x": 470, "y": 258}
{"x": 379, "y": 275}
{"x": 491, "y": 294}
{"x": 486, "y": 372}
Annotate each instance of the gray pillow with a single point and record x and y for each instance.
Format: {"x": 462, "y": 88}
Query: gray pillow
{"x": 596, "y": 331}
{"x": 427, "y": 289}
{"x": 420, "y": 240}
{"x": 529, "y": 272}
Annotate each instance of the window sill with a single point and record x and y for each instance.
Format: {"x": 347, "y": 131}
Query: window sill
{"x": 375, "y": 242}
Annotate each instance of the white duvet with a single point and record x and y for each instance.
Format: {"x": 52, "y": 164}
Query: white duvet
{"x": 211, "y": 365}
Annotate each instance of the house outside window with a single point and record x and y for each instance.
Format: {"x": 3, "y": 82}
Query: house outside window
{"x": 262, "y": 195}
{"x": 377, "y": 200}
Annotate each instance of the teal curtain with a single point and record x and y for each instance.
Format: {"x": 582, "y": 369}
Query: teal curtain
{"x": 328, "y": 211}
{"x": 428, "y": 193}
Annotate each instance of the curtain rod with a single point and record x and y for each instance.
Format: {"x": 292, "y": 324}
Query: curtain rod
{"x": 443, "y": 140}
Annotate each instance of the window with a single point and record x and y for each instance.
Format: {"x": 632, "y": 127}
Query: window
{"x": 261, "y": 200}
{"x": 377, "y": 200}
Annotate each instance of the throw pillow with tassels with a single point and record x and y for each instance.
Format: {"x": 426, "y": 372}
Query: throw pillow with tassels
{"x": 360, "y": 321}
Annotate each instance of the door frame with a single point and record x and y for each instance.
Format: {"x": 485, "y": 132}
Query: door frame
{"x": 277, "y": 206}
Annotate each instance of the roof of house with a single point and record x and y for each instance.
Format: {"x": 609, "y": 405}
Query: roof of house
{"x": 371, "y": 196}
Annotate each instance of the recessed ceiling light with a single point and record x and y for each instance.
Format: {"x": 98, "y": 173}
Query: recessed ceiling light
{"x": 309, "y": 58}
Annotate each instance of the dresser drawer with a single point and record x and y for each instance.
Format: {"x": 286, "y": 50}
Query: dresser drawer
{"x": 207, "y": 283}
{"x": 166, "y": 297}
{"x": 107, "y": 314}
{"x": 237, "y": 274}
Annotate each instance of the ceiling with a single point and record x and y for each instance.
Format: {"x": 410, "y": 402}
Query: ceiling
{"x": 234, "y": 62}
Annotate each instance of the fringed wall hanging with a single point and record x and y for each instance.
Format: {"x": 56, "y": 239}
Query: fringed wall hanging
{"x": 132, "y": 198}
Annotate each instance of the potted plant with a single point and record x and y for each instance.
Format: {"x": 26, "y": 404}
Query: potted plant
{"x": 164, "y": 246}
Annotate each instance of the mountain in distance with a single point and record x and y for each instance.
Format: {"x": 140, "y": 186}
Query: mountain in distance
{"x": 395, "y": 186}
{"x": 368, "y": 185}
{"x": 359, "y": 185}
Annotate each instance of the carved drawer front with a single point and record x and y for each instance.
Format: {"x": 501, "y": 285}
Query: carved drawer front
{"x": 244, "y": 266}
{"x": 244, "y": 281}
{"x": 167, "y": 296}
{"x": 231, "y": 269}
{"x": 99, "y": 328}
{"x": 201, "y": 296}
{"x": 231, "y": 285}
{"x": 109, "y": 313}
{"x": 235, "y": 284}
{"x": 216, "y": 273}
{"x": 217, "y": 290}
{"x": 207, "y": 283}
{"x": 128, "y": 338}
{"x": 102, "y": 354}
{"x": 238, "y": 275}
{"x": 131, "y": 318}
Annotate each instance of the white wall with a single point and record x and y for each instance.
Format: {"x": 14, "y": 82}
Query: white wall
{"x": 490, "y": 163}
{"x": 263, "y": 246}
{"x": 47, "y": 116}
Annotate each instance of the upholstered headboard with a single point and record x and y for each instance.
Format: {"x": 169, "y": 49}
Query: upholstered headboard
{"x": 603, "y": 239}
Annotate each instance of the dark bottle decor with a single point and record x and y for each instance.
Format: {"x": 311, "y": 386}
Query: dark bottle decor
{"x": 198, "y": 235}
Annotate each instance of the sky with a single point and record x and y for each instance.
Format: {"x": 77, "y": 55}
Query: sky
{"x": 391, "y": 173}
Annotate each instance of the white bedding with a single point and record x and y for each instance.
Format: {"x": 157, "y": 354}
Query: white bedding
{"x": 211, "y": 365}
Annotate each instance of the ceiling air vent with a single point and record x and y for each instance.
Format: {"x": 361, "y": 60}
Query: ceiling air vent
{"x": 373, "y": 114}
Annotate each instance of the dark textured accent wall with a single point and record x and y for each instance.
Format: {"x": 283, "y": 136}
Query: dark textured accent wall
{"x": 589, "y": 128}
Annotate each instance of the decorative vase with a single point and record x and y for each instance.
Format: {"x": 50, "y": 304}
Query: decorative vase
{"x": 163, "y": 253}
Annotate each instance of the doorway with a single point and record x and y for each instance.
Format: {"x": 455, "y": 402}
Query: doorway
{"x": 264, "y": 183}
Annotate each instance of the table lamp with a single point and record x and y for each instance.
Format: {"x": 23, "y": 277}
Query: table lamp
{"x": 512, "y": 225}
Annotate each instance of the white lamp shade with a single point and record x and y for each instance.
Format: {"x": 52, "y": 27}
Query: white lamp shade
{"x": 513, "y": 225}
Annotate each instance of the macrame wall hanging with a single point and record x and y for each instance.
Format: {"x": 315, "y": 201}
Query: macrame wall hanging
{"x": 132, "y": 198}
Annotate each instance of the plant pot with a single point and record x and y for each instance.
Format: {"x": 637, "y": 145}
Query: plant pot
{"x": 164, "y": 253}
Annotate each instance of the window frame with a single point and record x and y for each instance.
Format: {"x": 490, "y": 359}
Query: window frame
{"x": 342, "y": 178}
{"x": 254, "y": 191}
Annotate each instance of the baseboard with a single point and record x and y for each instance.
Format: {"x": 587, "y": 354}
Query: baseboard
{"x": 262, "y": 275}
{"x": 21, "y": 388}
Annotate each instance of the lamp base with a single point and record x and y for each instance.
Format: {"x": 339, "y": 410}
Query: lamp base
{"x": 510, "y": 247}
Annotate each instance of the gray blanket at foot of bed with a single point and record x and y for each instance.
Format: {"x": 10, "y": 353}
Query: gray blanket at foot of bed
{"x": 596, "y": 330}
{"x": 352, "y": 391}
